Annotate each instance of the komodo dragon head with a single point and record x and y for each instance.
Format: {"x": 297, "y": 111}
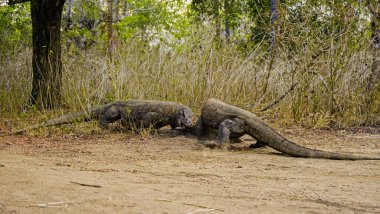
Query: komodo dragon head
{"x": 186, "y": 117}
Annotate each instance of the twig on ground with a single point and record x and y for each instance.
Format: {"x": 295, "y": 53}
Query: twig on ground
{"x": 86, "y": 185}
{"x": 200, "y": 210}
{"x": 52, "y": 204}
{"x": 185, "y": 203}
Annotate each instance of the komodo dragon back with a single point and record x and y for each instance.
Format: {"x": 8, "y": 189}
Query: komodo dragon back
{"x": 216, "y": 111}
{"x": 168, "y": 108}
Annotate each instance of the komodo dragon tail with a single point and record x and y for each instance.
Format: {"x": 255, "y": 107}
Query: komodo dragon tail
{"x": 295, "y": 150}
{"x": 85, "y": 115}
{"x": 278, "y": 142}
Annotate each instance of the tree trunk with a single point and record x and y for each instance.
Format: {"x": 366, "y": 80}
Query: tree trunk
{"x": 375, "y": 27}
{"x": 216, "y": 8}
{"x": 46, "y": 61}
{"x": 227, "y": 11}
{"x": 117, "y": 14}
{"x": 68, "y": 14}
{"x": 109, "y": 29}
{"x": 273, "y": 19}
{"x": 125, "y": 8}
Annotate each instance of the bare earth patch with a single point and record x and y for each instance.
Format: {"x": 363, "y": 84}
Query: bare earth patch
{"x": 118, "y": 173}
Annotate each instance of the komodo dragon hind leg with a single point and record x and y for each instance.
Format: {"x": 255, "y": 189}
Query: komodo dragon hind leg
{"x": 230, "y": 128}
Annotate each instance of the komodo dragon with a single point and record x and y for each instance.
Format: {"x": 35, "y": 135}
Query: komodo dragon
{"x": 233, "y": 122}
{"x": 132, "y": 114}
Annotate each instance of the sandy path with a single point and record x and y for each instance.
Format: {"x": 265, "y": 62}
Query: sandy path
{"x": 176, "y": 175}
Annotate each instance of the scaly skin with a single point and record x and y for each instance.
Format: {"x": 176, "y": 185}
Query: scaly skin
{"x": 232, "y": 122}
{"x": 146, "y": 113}
{"x": 134, "y": 113}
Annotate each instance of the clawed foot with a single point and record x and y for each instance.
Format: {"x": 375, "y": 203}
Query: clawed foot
{"x": 215, "y": 145}
{"x": 178, "y": 131}
{"x": 257, "y": 145}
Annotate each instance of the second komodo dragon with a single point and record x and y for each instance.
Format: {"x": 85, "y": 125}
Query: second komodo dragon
{"x": 132, "y": 114}
{"x": 233, "y": 122}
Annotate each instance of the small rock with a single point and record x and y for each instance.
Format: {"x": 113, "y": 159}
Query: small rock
{"x": 1, "y": 165}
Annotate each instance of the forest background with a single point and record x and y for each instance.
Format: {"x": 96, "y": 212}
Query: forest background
{"x": 304, "y": 62}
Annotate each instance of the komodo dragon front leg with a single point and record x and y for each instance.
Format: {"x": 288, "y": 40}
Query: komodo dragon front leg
{"x": 234, "y": 129}
{"x": 228, "y": 129}
{"x": 112, "y": 114}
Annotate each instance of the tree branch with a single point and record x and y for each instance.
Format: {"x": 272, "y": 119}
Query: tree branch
{"x": 13, "y": 2}
{"x": 280, "y": 98}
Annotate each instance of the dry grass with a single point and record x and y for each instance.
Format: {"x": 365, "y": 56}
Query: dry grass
{"x": 331, "y": 79}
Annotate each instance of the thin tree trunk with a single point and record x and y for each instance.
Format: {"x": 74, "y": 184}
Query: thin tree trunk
{"x": 374, "y": 77}
{"x": 217, "y": 19}
{"x": 46, "y": 61}
{"x": 117, "y": 15}
{"x": 68, "y": 14}
{"x": 227, "y": 11}
{"x": 109, "y": 29}
{"x": 125, "y": 8}
{"x": 273, "y": 19}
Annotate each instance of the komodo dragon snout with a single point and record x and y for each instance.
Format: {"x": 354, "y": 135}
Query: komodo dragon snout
{"x": 186, "y": 118}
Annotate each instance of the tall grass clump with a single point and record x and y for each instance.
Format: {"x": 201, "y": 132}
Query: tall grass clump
{"x": 198, "y": 71}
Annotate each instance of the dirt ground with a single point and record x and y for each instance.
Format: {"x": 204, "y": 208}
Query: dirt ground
{"x": 119, "y": 173}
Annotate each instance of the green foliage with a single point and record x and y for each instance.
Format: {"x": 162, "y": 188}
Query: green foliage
{"x": 152, "y": 21}
{"x": 15, "y": 28}
{"x": 258, "y": 11}
{"x": 231, "y": 11}
{"x": 80, "y": 27}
